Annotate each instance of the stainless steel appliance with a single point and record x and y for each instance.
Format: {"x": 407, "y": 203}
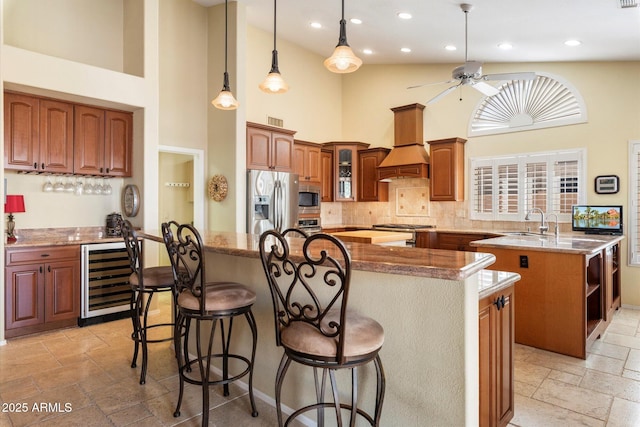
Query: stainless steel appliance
{"x": 309, "y": 199}
{"x": 407, "y": 228}
{"x": 310, "y": 225}
{"x": 272, "y": 201}
{"x": 105, "y": 291}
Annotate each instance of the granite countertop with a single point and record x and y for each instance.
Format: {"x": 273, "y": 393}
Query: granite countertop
{"x": 61, "y": 236}
{"x": 567, "y": 243}
{"x": 433, "y": 263}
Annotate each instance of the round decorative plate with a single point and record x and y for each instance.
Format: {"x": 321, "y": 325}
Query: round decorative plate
{"x": 130, "y": 200}
{"x": 218, "y": 188}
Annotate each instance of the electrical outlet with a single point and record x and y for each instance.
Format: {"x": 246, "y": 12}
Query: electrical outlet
{"x": 524, "y": 261}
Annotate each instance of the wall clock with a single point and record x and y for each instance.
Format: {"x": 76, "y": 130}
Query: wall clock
{"x": 607, "y": 184}
{"x": 218, "y": 188}
{"x": 130, "y": 200}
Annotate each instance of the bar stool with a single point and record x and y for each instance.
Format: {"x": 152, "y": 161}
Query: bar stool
{"x": 309, "y": 290}
{"x": 199, "y": 300}
{"x": 145, "y": 283}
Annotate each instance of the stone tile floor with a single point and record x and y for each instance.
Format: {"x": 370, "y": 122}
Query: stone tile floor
{"x": 88, "y": 369}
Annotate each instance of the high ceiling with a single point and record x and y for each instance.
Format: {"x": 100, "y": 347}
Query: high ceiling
{"x": 537, "y": 29}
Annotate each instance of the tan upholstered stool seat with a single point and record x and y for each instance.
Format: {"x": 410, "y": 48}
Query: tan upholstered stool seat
{"x": 219, "y": 297}
{"x": 363, "y": 335}
{"x": 154, "y": 277}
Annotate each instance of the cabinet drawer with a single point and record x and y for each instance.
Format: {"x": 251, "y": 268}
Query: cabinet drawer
{"x": 43, "y": 254}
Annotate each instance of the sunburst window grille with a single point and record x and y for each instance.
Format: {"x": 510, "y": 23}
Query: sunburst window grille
{"x": 528, "y": 104}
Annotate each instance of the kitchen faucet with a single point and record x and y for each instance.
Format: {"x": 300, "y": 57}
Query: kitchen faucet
{"x": 543, "y": 228}
{"x": 555, "y": 228}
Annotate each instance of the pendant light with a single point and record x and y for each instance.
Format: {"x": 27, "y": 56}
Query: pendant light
{"x": 225, "y": 99}
{"x": 274, "y": 83}
{"x": 343, "y": 59}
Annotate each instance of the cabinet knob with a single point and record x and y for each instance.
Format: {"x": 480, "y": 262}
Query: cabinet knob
{"x": 40, "y": 269}
{"x": 35, "y": 165}
{"x": 43, "y": 166}
{"x": 49, "y": 268}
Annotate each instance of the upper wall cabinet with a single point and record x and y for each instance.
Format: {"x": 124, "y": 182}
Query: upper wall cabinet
{"x": 447, "y": 169}
{"x": 102, "y": 141}
{"x": 369, "y": 188}
{"x": 307, "y": 161}
{"x": 50, "y": 136}
{"x": 38, "y": 134}
{"x": 326, "y": 174}
{"x": 345, "y": 169}
{"x": 269, "y": 148}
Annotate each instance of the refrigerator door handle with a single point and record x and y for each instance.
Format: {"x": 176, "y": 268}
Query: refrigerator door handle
{"x": 276, "y": 205}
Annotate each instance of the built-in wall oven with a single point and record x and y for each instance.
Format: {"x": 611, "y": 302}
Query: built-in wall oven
{"x": 105, "y": 292}
{"x": 309, "y": 199}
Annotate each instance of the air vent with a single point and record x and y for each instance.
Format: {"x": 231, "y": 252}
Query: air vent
{"x": 272, "y": 121}
{"x": 628, "y": 3}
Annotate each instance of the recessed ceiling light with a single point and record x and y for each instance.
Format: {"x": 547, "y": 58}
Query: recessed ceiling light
{"x": 356, "y": 21}
{"x": 573, "y": 42}
{"x": 450, "y": 47}
{"x": 505, "y": 46}
{"x": 404, "y": 15}
{"x": 367, "y": 51}
{"x": 316, "y": 25}
{"x": 405, "y": 50}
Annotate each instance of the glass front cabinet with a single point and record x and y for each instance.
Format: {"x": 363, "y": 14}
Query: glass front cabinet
{"x": 345, "y": 156}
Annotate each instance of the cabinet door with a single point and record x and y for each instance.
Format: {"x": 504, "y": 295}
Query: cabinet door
{"x": 446, "y": 182}
{"x": 21, "y": 127}
{"x": 281, "y": 152}
{"x": 487, "y": 374}
{"x": 24, "y": 292}
{"x": 56, "y": 136}
{"x": 258, "y": 149}
{"x": 62, "y": 290}
{"x": 118, "y": 143}
{"x": 88, "y": 140}
{"x": 345, "y": 166}
{"x": 313, "y": 164}
{"x": 326, "y": 175}
{"x": 505, "y": 333}
{"x": 369, "y": 188}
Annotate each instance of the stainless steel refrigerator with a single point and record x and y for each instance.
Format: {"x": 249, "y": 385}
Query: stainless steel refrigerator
{"x": 272, "y": 201}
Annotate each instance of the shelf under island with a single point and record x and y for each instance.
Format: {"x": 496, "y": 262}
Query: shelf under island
{"x": 427, "y": 302}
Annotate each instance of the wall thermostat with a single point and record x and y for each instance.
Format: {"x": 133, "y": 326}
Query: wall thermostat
{"x": 607, "y": 184}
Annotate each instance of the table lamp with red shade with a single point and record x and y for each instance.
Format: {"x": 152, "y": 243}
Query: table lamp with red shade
{"x": 14, "y": 203}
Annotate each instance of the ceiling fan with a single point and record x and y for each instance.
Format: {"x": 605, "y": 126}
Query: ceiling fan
{"x": 470, "y": 74}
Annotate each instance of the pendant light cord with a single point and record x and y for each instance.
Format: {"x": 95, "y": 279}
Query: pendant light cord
{"x": 274, "y": 24}
{"x": 225, "y": 85}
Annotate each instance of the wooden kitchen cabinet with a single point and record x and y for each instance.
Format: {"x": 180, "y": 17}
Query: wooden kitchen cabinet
{"x": 369, "y": 188}
{"x": 496, "y": 362}
{"x": 611, "y": 280}
{"x": 269, "y": 148}
{"x": 307, "y": 162}
{"x": 452, "y": 241}
{"x": 560, "y": 304}
{"x": 102, "y": 141}
{"x": 345, "y": 169}
{"x": 326, "y": 175}
{"x": 38, "y": 134}
{"x": 42, "y": 289}
{"x": 446, "y": 182}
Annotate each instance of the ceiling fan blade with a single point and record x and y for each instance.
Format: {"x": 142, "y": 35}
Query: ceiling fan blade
{"x": 485, "y": 88}
{"x": 431, "y": 84}
{"x": 441, "y": 94}
{"x": 510, "y": 76}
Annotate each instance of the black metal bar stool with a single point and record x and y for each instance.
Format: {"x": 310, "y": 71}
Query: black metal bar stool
{"x": 145, "y": 283}
{"x": 216, "y": 302}
{"x": 310, "y": 290}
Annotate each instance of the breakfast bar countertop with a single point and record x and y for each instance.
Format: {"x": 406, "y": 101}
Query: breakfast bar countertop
{"x": 433, "y": 263}
{"x": 61, "y": 236}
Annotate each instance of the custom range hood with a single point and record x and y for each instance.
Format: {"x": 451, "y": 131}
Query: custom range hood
{"x": 408, "y": 157}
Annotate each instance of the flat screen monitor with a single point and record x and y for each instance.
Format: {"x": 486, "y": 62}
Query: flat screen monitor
{"x": 597, "y": 219}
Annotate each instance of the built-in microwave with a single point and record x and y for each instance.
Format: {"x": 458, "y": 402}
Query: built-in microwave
{"x": 309, "y": 199}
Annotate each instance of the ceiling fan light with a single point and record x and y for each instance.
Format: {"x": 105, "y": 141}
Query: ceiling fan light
{"x": 343, "y": 60}
{"x": 274, "y": 83}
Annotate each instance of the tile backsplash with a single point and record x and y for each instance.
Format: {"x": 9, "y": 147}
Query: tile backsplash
{"x": 409, "y": 204}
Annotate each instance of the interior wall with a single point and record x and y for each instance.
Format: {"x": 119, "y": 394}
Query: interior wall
{"x": 86, "y": 31}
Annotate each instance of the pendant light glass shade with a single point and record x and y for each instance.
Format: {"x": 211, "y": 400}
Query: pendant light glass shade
{"x": 225, "y": 99}
{"x": 343, "y": 59}
{"x": 274, "y": 83}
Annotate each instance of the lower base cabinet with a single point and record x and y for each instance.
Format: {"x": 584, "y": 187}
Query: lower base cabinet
{"x": 496, "y": 329}
{"x": 42, "y": 289}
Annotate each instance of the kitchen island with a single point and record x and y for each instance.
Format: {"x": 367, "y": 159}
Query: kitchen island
{"x": 427, "y": 302}
{"x": 569, "y": 290}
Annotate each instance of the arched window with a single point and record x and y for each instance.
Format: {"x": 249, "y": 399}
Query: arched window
{"x": 543, "y": 102}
